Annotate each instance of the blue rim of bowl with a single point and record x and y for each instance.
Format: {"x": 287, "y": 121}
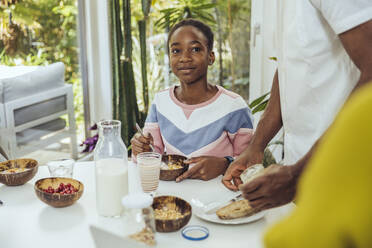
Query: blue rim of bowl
{"x": 195, "y": 227}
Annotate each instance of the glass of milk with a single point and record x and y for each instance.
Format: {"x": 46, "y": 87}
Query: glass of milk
{"x": 111, "y": 162}
{"x": 149, "y": 167}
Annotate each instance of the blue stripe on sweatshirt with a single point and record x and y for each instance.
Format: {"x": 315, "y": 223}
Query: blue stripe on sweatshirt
{"x": 151, "y": 117}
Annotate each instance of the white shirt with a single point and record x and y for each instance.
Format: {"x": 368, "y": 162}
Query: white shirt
{"x": 315, "y": 73}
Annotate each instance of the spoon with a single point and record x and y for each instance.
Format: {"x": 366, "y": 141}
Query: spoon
{"x": 3, "y": 153}
{"x": 141, "y": 132}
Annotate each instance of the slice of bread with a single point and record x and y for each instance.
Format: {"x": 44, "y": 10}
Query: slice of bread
{"x": 235, "y": 210}
{"x": 251, "y": 173}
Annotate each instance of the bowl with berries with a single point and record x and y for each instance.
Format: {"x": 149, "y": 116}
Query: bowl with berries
{"x": 58, "y": 191}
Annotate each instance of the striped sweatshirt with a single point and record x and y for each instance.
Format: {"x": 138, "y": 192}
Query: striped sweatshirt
{"x": 221, "y": 126}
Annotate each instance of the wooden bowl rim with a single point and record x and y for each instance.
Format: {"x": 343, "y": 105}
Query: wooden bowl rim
{"x": 175, "y": 155}
{"x": 182, "y": 164}
{"x": 81, "y": 188}
{"x": 175, "y": 197}
{"x": 35, "y": 164}
{"x": 21, "y": 177}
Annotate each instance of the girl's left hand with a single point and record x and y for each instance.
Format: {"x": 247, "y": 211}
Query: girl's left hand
{"x": 205, "y": 168}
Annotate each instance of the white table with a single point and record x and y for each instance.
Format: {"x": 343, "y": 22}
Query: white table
{"x": 25, "y": 221}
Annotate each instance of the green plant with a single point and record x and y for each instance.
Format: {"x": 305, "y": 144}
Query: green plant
{"x": 91, "y": 142}
{"x": 259, "y": 104}
{"x": 142, "y": 35}
{"x": 199, "y": 9}
{"x": 48, "y": 25}
{"x": 47, "y": 35}
{"x": 125, "y": 99}
{"x": 156, "y": 70}
{"x": 219, "y": 43}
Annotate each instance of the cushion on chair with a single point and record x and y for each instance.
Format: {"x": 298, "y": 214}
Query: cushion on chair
{"x": 11, "y": 72}
{"x": 35, "y": 133}
{"x": 29, "y": 81}
{"x": 39, "y": 110}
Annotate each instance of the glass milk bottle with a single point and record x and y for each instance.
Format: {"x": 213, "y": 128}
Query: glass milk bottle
{"x": 111, "y": 161}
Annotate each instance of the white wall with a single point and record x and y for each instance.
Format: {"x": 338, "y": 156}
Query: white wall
{"x": 99, "y": 59}
{"x": 262, "y": 69}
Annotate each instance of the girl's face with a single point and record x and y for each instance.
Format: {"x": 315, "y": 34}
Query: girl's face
{"x": 189, "y": 54}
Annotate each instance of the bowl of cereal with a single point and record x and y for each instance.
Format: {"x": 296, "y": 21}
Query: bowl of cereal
{"x": 58, "y": 191}
{"x": 171, "y": 213}
{"x": 18, "y": 171}
{"x": 172, "y": 166}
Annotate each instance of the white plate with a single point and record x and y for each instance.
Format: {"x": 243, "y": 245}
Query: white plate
{"x": 199, "y": 208}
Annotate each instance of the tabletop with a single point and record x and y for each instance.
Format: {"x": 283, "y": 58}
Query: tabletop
{"x": 25, "y": 221}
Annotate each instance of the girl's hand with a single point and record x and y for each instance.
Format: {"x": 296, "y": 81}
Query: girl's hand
{"x": 141, "y": 143}
{"x": 205, "y": 168}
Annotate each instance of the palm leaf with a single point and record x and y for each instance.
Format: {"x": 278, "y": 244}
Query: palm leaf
{"x": 205, "y": 6}
{"x": 167, "y": 16}
{"x": 205, "y": 16}
{"x": 277, "y": 142}
{"x": 260, "y": 107}
{"x": 195, "y": 8}
{"x": 258, "y": 100}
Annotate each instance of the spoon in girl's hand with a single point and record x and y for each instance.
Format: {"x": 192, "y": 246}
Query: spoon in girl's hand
{"x": 141, "y": 132}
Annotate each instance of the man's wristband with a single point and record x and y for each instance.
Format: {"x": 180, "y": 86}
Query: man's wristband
{"x": 229, "y": 160}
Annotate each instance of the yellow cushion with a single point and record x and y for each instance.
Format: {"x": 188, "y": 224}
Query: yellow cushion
{"x": 334, "y": 201}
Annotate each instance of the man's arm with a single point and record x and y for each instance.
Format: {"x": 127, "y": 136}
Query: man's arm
{"x": 358, "y": 44}
{"x": 268, "y": 126}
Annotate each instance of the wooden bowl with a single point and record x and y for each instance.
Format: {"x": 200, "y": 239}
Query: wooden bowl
{"x": 167, "y": 203}
{"x": 172, "y": 174}
{"x": 18, "y": 171}
{"x": 56, "y": 199}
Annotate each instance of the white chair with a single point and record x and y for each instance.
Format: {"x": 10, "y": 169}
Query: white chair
{"x": 32, "y": 101}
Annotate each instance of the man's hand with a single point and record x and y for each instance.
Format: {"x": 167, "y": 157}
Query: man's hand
{"x": 248, "y": 158}
{"x": 141, "y": 143}
{"x": 276, "y": 187}
{"x": 205, "y": 168}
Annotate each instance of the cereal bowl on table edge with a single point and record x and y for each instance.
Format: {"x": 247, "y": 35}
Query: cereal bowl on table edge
{"x": 58, "y": 200}
{"x": 172, "y": 174}
{"x": 171, "y": 203}
{"x": 27, "y": 169}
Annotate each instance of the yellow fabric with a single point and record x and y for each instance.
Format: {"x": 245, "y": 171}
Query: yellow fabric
{"x": 335, "y": 193}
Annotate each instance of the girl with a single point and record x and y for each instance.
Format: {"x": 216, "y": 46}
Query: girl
{"x": 201, "y": 121}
